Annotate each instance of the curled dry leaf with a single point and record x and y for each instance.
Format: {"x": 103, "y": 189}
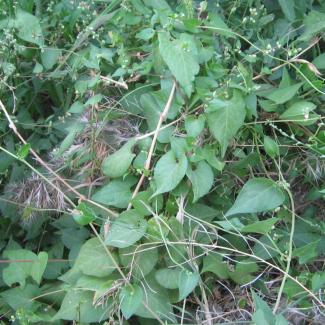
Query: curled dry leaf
{"x": 310, "y": 65}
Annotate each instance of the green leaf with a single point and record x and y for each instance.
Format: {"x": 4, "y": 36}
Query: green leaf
{"x": 315, "y": 24}
{"x": 157, "y": 298}
{"x": 91, "y": 282}
{"x": 169, "y": 171}
{"x": 206, "y": 55}
{"x": 221, "y": 27}
{"x": 151, "y": 110}
{"x": 300, "y": 111}
{"x": 242, "y": 274}
{"x": 191, "y": 24}
{"x": 9, "y": 68}
{"x": 22, "y": 297}
{"x": 306, "y": 253}
{"x": 138, "y": 5}
{"x": 168, "y": 278}
{"x": 37, "y": 69}
{"x": 23, "y": 151}
{"x": 80, "y": 87}
{"x": 271, "y": 147}
{"x": 202, "y": 179}
{"x": 182, "y": 64}
{"x": 213, "y": 263}
{"x": 127, "y": 229}
{"x": 117, "y": 164}
{"x": 71, "y": 236}
{"x": 265, "y": 250}
{"x": 259, "y": 318}
{"x": 77, "y": 107}
{"x": 19, "y": 271}
{"x": 50, "y": 56}
{"x": 161, "y": 97}
{"x": 194, "y": 126}
{"x": 179, "y": 145}
{"x": 29, "y": 27}
{"x": 82, "y": 216}
{"x": 226, "y": 121}
{"x": 233, "y": 223}
{"x": 39, "y": 266}
{"x": 79, "y": 305}
{"x": 67, "y": 142}
{"x": 317, "y": 281}
{"x": 250, "y": 160}
{"x": 261, "y": 227}
{"x": 117, "y": 193}
{"x": 146, "y": 34}
{"x": 265, "y": 315}
{"x": 283, "y": 95}
{"x": 143, "y": 205}
{"x": 104, "y": 288}
{"x": 286, "y": 79}
{"x": 141, "y": 262}
{"x": 251, "y": 103}
{"x": 280, "y": 320}
{"x": 264, "y": 21}
{"x": 130, "y": 300}
{"x": 319, "y": 61}
{"x": 159, "y": 5}
{"x": 157, "y": 229}
{"x": 187, "y": 283}
{"x": 94, "y": 260}
{"x": 208, "y": 83}
{"x": 288, "y": 7}
{"x": 94, "y": 100}
{"x": 257, "y": 195}
{"x": 54, "y": 270}
{"x": 211, "y": 158}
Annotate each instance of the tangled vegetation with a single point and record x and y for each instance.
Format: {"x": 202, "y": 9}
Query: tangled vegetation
{"x": 162, "y": 162}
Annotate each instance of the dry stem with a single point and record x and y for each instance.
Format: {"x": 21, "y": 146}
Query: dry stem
{"x": 148, "y": 161}
{"x": 121, "y": 84}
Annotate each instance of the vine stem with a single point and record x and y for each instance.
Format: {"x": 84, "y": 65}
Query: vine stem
{"x": 289, "y": 257}
{"x": 81, "y": 197}
{"x": 154, "y": 140}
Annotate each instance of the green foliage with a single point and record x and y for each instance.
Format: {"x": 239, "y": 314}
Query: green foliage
{"x": 156, "y": 156}
{"x": 131, "y": 300}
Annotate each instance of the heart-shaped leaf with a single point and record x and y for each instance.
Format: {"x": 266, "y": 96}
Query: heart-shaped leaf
{"x": 169, "y": 171}
{"x": 194, "y": 126}
{"x": 131, "y": 300}
{"x": 187, "y": 283}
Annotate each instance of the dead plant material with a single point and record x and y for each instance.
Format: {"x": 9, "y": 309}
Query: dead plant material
{"x": 34, "y": 195}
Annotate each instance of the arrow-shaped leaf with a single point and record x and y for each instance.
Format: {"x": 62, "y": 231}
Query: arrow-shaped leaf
{"x": 258, "y": 195}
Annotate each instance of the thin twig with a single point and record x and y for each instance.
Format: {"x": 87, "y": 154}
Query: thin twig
{"x": 121, "y": 84}
{"x": 148, "y": 161}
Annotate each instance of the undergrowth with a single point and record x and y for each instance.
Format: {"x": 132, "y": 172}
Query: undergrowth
{"x": 162, "y": 162}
